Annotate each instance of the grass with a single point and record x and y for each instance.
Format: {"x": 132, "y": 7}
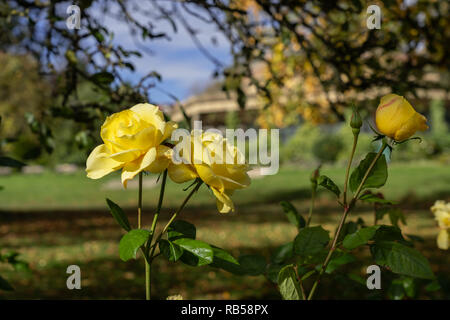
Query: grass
{"x": 55, "y": 220}
{"x": 51, "y": 191}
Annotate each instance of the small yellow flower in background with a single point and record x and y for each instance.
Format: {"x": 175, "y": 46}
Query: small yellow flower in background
{"x": 132, "y": 142}
{"x": 441, "y": 211}
{"x": 397, "y": 119}
{"x": 222, "y": 177}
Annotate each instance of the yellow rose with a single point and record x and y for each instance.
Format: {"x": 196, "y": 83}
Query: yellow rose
{"x": 397, "y": 119}
{"x": 132, "y": 142}
{"x": 207, "y": 161}
{"x": 441, "y": 211}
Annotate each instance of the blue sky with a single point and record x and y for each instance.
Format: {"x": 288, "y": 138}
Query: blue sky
{"x": 181, "y": 64}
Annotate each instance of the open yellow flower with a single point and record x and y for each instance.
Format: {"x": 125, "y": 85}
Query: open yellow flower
{"x": 441, "y": 211}
{"x": 132, "y": 142}
{"x": 397, "y": 119}
{"x": 217, "y": 163}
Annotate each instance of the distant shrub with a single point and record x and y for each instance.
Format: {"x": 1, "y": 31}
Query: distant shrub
{"x": 312, "y": 144}
{"x": 327, "y": 148}
{"x": 298, "y": 148}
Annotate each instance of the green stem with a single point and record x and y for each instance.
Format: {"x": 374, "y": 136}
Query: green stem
{"x": 148, "y": 264}
{"x": 344, "y": 216}
{"x": 197, "y": 186}
{"x": 140, "y": 200}
{"x": 330, "y": 253}
{"x": 349, "y": 165}
{"x": 146, "y": 261}
{"x": 311, "y": 206}
{"x": 147, "y": 280}
{"x": 158, "y": 208}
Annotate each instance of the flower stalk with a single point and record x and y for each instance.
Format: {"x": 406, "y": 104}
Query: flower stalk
{"x": 313, "y": 179}
{"x": 347, "y": 209}
{"x": 166, "y": 227}
{"x": 148, "y": 264}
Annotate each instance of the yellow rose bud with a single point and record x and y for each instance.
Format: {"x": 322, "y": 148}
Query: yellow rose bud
{"x": 132, "y": 142}
{"x": 397, "y": 119}
{"x": 208, "y": 161}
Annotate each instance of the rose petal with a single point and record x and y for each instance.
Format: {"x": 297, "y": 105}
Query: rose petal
{"x": 131, "y": 169}
{"x": 98, "y": 164}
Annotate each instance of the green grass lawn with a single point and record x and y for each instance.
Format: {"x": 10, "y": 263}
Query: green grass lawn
{"x": 56, "y": 220}
{"x": 51, "y": 191}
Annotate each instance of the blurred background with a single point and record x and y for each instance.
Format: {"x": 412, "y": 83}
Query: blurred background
{"x": 292, "y": 65}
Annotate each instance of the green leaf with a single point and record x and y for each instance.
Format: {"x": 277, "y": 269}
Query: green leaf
{"x": 396, "y": 215}
{"x": 409, "y": 284}
{"x": 308, "y": 274}
{"x": 359, "y": 238}
{"x": 316, "y": 258}
{"x": 98, "y": 35}
{"x": 380, "y": 212}
{"x": 357, "y": 278}
{"x": 170, "y": 250}
{"x": 225, "y": 261}
{"x": 401, "y": 259}
{"x": 4, "y": 285}
{"x": 347, "y": 228}
{"x": 377, "y": 176}
{"x": 310, "y": 240}
{"x": 293, "y": 216}
{"x": 396, "y": 291}
{"x": 339, "y": 261}
{"x": 273, "y": 269}
{"x": 103, "y": 77}
{"x": 202, "y": 251}
{"x": 327, "y": 183}
{"x": 21, "y": 266}
{"x": 370, "y": 197}
{"x": 118, "y": 215}
{"x": 283, "y": 253}
{"x": 181, "y": 229}
{"x": 288, "y": 284}
{"x": 252, "y": 264}
{"x": 388, "y": 233}
{"x": 433, "y": 286}
{"x": 10, "y": 162}
{"x": 131, "y": 242}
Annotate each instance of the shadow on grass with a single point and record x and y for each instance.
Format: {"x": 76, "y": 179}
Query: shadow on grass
{"x": 110, "y": 278}
{"x": 106, "y": 277}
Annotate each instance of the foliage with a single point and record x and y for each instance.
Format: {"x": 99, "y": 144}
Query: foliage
{"x": 304, "y": 51}
{"x": 311, "y": 254}
{"x": 11, "y": 257}
{"x": 299, "y": 147}
{"x": 327, "y": 148}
